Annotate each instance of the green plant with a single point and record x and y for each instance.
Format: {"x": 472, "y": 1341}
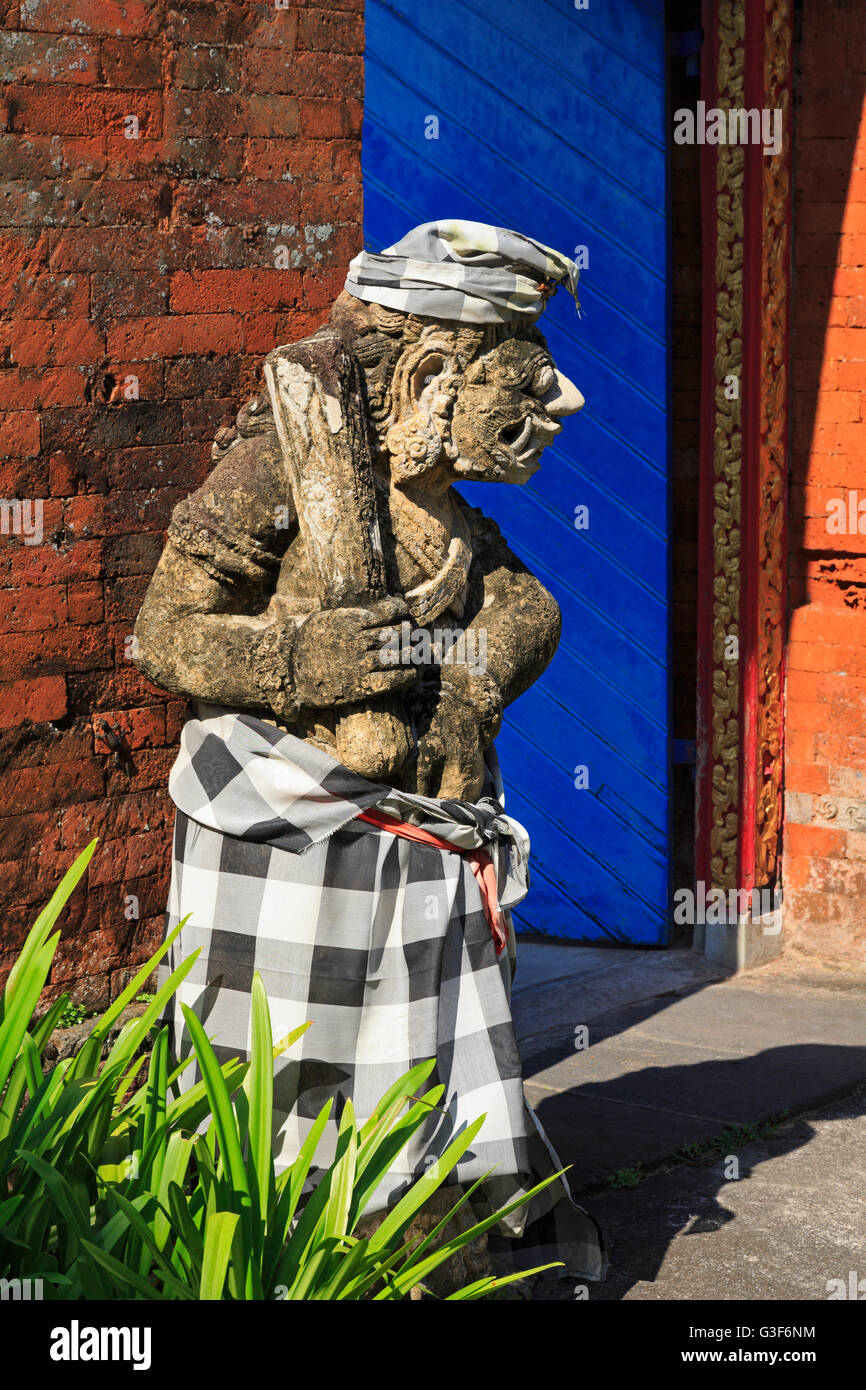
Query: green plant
{"x": 730, "y": 1140}
{"x": 626, "y": 1177}
{"x": 70, "y": 1015}
{"x": 149, "y": 1195}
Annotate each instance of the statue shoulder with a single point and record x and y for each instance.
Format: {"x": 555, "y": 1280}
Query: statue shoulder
{"x": 483, "y": 529}
{"x": 240, "y": 520}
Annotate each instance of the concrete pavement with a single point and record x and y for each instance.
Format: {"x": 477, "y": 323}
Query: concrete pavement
{"x": 651, "y": 1070}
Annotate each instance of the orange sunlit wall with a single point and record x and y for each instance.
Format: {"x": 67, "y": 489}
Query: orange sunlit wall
{"x": 825, "y": 772}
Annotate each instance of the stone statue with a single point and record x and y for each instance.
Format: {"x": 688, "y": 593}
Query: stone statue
{"x": 239, "y": 614}
{"x": 349, "y": 631}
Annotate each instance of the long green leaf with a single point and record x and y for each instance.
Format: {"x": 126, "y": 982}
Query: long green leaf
{"x": 401, "y": 1214}
{"x": 178, "y": 1152}
{"x": 336, "y": 1213}
{"x": 484, "y": 1286}
{"x": 185, "y": 1228}
{"x": 405, "y": 1086}
{"x": 414, "y": 1271}
{"x": 387, "y": 1149}
{"x": 225, "y": 1125}
{"x": 259, "y": 1085}
{"x": 38, "y": 934}
{"x": 221, "y": 1105}
{"x": 143, "y": 1230}
{"x": 155, "y": 1103}
{"x": 134, "y": 1032}
{"x": 219, "y": 1233}
{"x": 120, "y": 1274}
{"x": 18, "y": 1005}
{"x": 292, "y": 1182}
{"x": 137, "y": 983}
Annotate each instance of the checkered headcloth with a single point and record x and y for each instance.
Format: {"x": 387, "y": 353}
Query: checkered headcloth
{"x": 468, "y": 272}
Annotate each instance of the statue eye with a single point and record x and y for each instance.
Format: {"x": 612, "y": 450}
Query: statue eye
{"x": 476, "y": 374}
{"x": 543, "y": 380}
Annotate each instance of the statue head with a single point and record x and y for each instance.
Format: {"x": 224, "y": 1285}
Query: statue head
{"x": 460, "y": 382}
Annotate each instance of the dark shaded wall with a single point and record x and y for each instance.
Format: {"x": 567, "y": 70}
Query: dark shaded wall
{"x": 684, "y": 21}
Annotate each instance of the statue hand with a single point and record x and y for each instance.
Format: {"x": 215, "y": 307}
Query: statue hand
{"x": 338, "y": 655}
{"x": 451, "y": 746}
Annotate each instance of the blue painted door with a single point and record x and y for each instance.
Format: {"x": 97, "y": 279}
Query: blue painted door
{"x": 551, "y": 120}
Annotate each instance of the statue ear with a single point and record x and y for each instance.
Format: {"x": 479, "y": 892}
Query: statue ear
{"x": 425, "y": 385}
{"x": 424, "y": 378}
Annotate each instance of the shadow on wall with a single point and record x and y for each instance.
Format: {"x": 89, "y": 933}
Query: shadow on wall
{"x": 829, "y": 218}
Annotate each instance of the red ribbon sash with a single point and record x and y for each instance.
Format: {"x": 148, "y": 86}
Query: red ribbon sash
{"x": 478, "y": 859}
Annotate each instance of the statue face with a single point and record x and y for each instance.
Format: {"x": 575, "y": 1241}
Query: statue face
{"x": 508, "y": 409}
{"x": 448, "y": 414}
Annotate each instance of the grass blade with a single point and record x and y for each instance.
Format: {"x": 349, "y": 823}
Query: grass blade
{"x": 219, "y": 1233}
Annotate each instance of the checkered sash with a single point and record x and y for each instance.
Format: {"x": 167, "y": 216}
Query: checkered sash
{"x": 382, "y": 942}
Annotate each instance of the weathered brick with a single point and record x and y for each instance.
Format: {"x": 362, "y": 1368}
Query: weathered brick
{"x": 23, "y": 610}
{"x": 85, "y": 603}
{"x": 325, "y": 118}
{"x": 19, "y": 433}
{"x": 37, "y": 788}
{"x": 238, "y": 204}
{"x": 118, "y": 426}
{"x": 47, "y": 295}
{"x": 72, "y": 472}
{"x": 302, "y": 74}
{"x": 124, "y": 596}
{"x": 207, "y": 67}
{"x": 167, "y": 465}
{"x": 196, "y": 156}
{"x": 20, "y": 833}
{"x": 76, "y": 248}
{"x": 68, "y": 342}
{"x": 330, "y": 31}
{"x": 56, "y": 653}
{"x": 137, "y": 728}
{"x": 39, "y": 390}
{"x": 35, "y": 700}
{"x": 249, "y": 290}
{"x": 175, "y": 336}
{"x": 75, "y": 110}
{"x": 202, "y": 418}
{"x": 115, "y": 17}
{"x": 31, "y": 156}
{"x": 41, "y": 744}
{"x": 45, "y": 564}
{"x": 124, "y": 293}
{"x": 189, "y": 377}
{"x": 131, "y": 63}
{"x": 47, "y": 58}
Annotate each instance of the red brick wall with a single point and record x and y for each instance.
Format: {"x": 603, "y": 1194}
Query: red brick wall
{"x": 825, "y": 774}
{"x": 150, "y": 258}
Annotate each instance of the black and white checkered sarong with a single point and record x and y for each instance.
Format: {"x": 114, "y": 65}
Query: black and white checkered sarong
{"x": 381, "y": 942}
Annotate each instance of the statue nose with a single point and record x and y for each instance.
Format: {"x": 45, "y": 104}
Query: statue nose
{"x": 563, "y": 398}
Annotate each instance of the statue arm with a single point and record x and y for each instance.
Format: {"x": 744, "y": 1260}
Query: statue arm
{"x": 195, "y": 638}
{"x": 211, "y": 628}
{"x": 204, "y": 630}
{"x": 515, "y": 621}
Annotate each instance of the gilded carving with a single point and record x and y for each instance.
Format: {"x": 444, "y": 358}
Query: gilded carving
{"x": 772, "y": 461}
{"x": 727, "y": 461}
